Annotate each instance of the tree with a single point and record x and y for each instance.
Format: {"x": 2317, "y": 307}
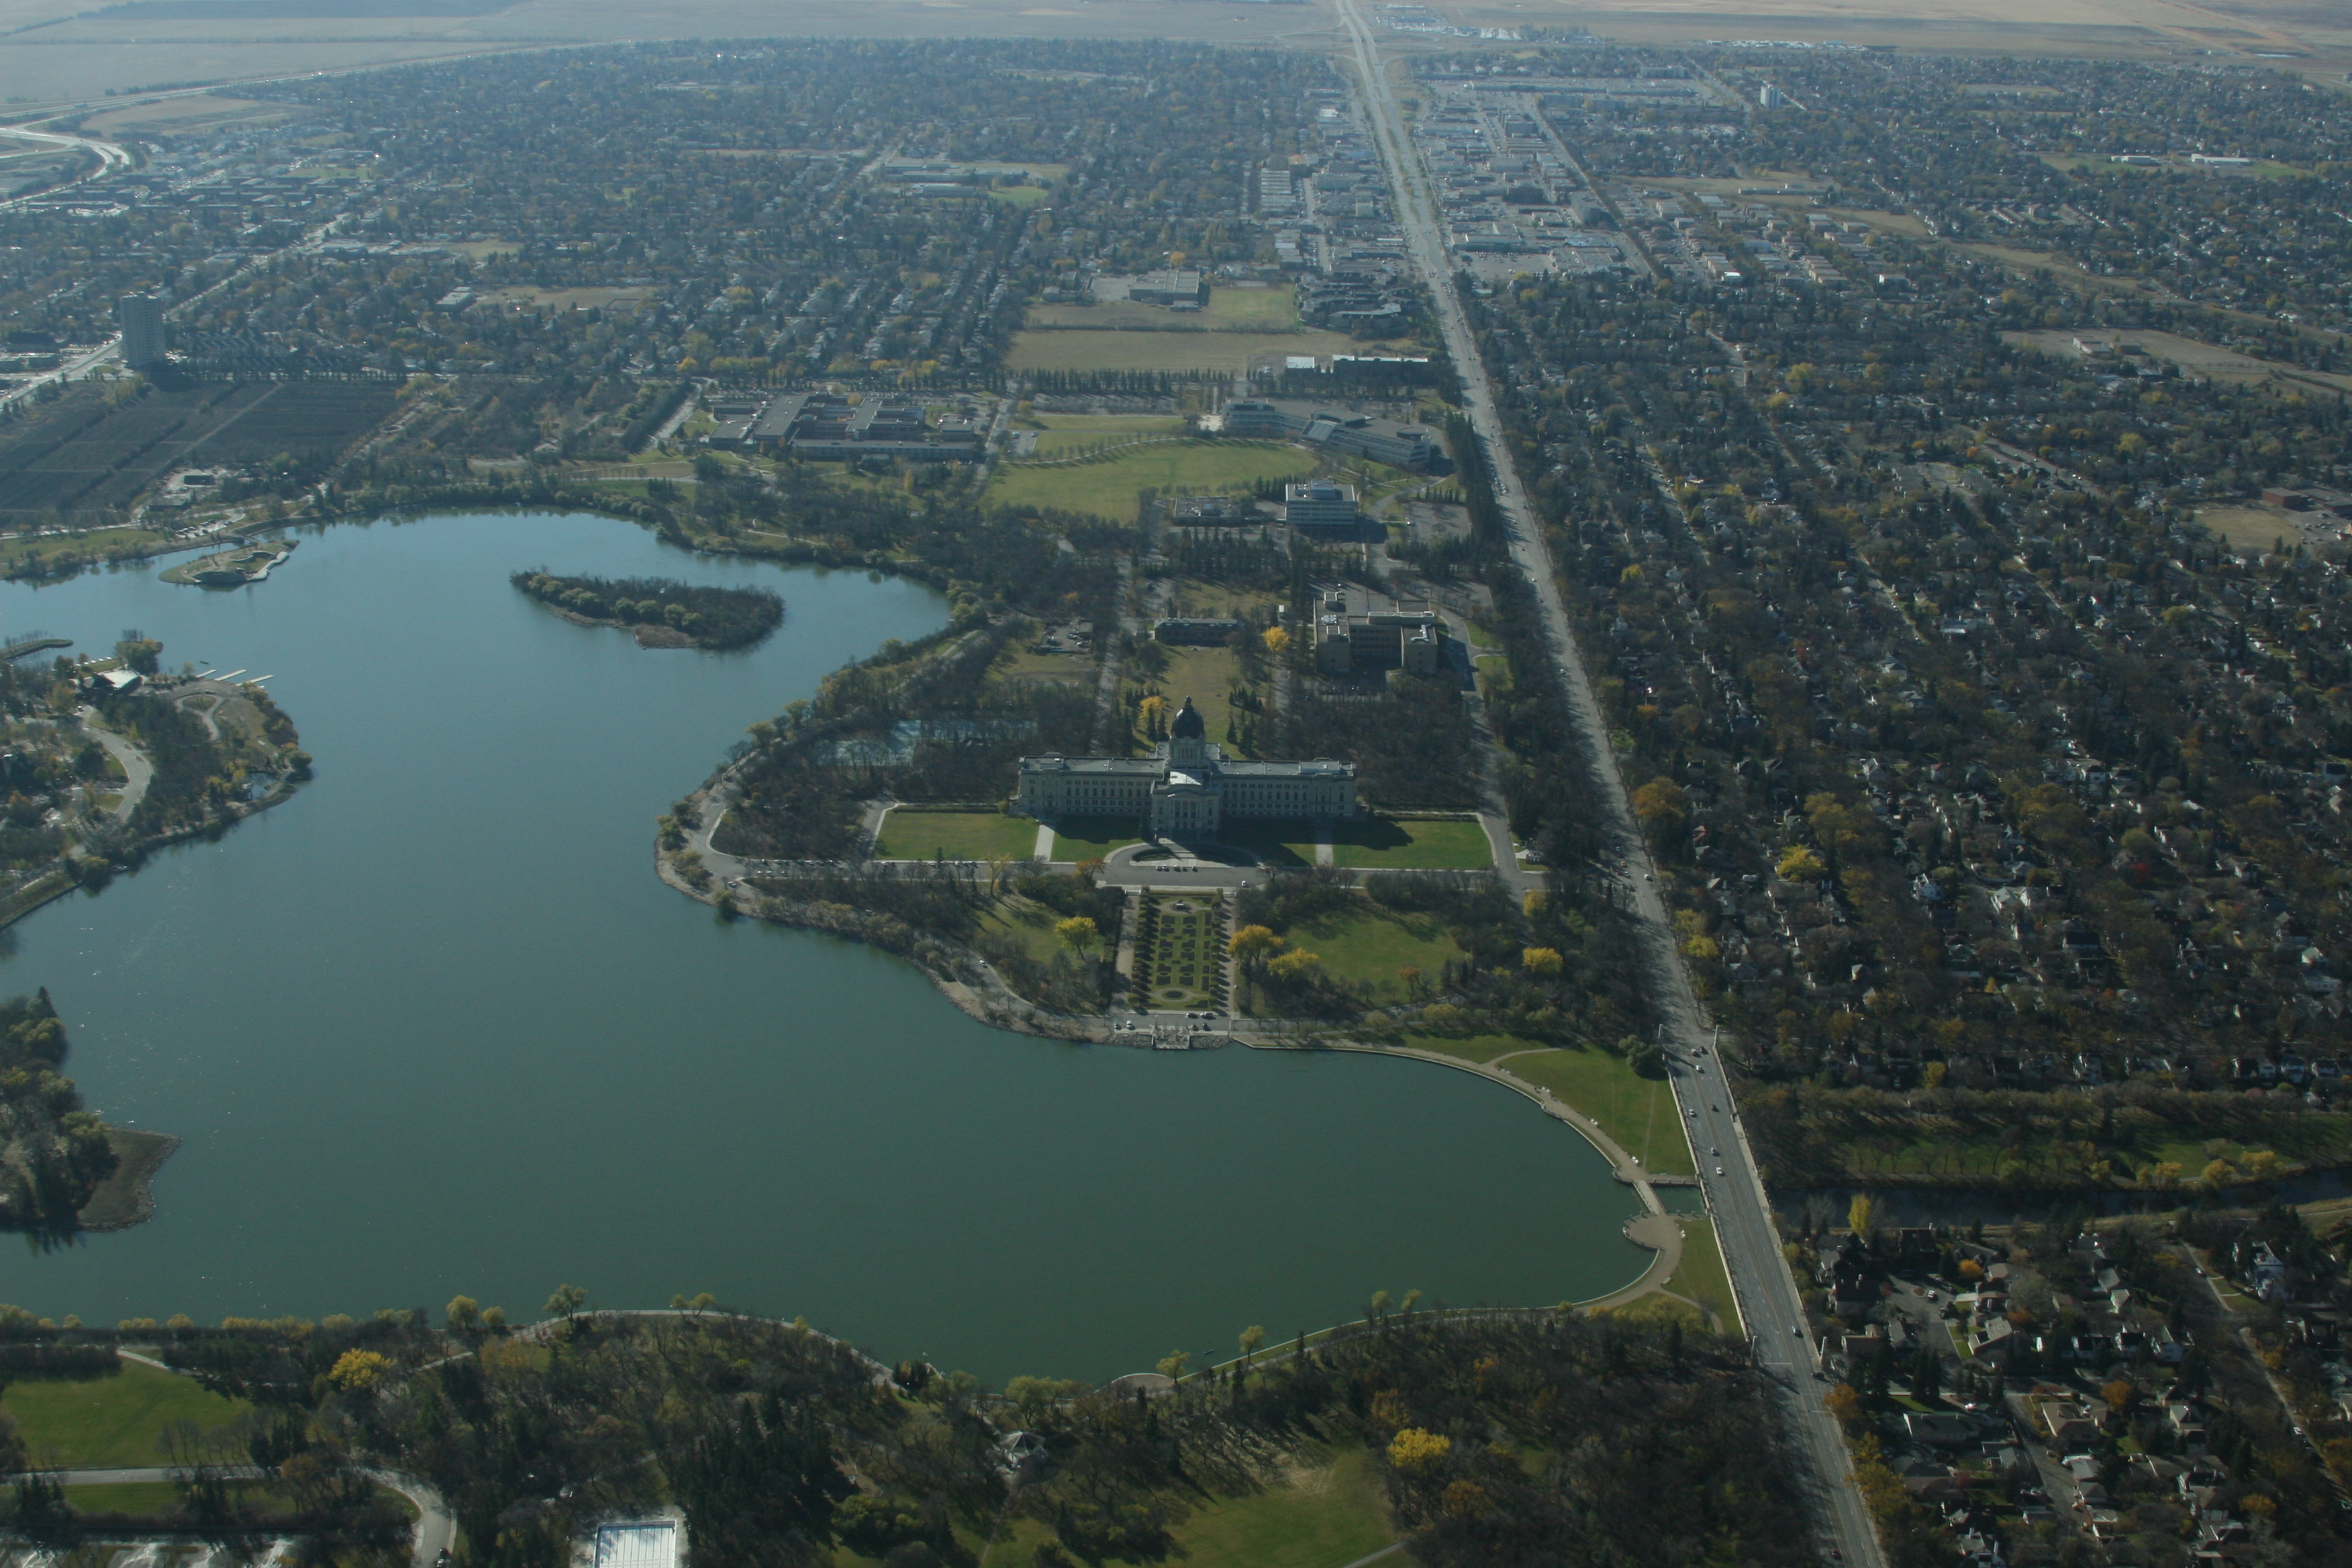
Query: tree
{"x": 357, "y": 1370}
{"x": 1297, "y": 967}
{"x": 463, "y": 1313}
{"x": 1151, "y": 713}
{"x": 1543, "y": 963}
{"x": 1647, "y": 1060}
{"x": 1277, "y": 640}
{"x": 1252, "y": 1338}
{"x": 1858, "y": 1214}
{"x": 1077, "y": 934}
{"x": 567, "y": 1299}
{"x": 1661, "y": 804}
{"x": 1845, "y": 1405}
{"x": 1174, "y": 1363}
{"x": 1413, "y": 1449}
{"x": 1799, "y": 864}
{"x": 1253, "y": 945}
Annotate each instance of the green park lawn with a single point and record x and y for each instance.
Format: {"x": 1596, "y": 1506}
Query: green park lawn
{"x": 1107, "y": 486}
{"x": 1068, "y": 434}
{"x": 1638, "y": 1112}
{"x": 1701, "y": 1276}
{"x": 955, "y": 836}
{"x": 1206, "y": 675}
{"x": 1290, "y": 844}
{"x": 1321, "y": 1517}
{"x": 1369, "y": 944}
{"x": 1411, "y": 843}
{"x": 111, "y": 1423}
{"x": 1474, "y": 1047}
{"x": 1092, "y": 837}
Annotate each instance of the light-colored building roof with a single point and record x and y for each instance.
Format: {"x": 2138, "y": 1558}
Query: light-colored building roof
{"x": 639, "y": 1544}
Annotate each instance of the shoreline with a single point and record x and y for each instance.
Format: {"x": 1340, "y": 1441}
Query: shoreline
{"x": 1653, "y": 1226}
{"x": 127, "y": 1198}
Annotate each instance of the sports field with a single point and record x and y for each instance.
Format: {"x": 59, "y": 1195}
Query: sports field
{"x": 1108, "y": 486}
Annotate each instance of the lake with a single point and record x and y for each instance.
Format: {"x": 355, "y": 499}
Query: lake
{"x": 434, "y": 1027}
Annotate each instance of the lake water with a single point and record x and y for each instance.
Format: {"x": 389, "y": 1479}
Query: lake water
{"x": 434, "y": 1027}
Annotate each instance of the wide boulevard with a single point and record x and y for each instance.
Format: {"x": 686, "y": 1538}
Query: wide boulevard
{"x": 1768, "y": 1299}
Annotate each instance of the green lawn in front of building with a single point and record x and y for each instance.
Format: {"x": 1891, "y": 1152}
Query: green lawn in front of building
{"x": 1093, "y": 837}
{"x": 912, "y": 835}
{"x": 1405, "y": 843}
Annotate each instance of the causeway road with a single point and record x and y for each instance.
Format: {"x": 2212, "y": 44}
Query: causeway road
{"x": 1760, "y": 1279}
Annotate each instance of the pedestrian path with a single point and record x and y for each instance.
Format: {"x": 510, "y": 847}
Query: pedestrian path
{"x": 1044, "y": 850}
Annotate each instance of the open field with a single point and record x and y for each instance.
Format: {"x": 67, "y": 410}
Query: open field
{"x": 1109, "y": 488}
{"x": 1327, "y": 1511}
{"x": 955, "y": 836}
{"x": 1410, "y": 844}
{"x": 1092, "y": 837}
{"x": 111, "y": 1423}
{"x": 570, "y": 298}
{"x": 1066, "y": 434}
{"x": 1227, "y": 309}
{"x": 1180, "y": 348}
{"x": 1701, "y": 1277}
{"x": 1285, "y": 844}
{"x": 197, "y": 113}
{"x": 1368, "y": 946}
{"x": 1638, "y": 1113}
{"x": 1205, "y": 675}
{"x": 2252, "y": 529}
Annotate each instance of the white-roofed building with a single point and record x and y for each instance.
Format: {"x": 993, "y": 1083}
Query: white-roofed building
{"x": 640, "y": 1543}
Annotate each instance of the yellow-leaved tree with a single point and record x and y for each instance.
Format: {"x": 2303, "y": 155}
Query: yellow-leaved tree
{"x": 1413, "y": 1449}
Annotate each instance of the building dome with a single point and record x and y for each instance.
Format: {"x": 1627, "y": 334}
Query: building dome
{"x": 1188, "y": 724}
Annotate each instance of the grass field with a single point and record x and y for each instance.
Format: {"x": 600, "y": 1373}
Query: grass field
{"x": 111, "y": 1423}
{"x": 955, "y": 836}
{"x": 1370, "y": 945}
{"x": 1226, "y": 353}
{"x": 1701, "y": 1276}
{"x": 1109, "y": 488}
{"x": 1227, "y": 309}
{"x": 1029, "y": 923}
{"x": 1205, "y": 675}
{"x": 1474, "y": 1047}
{"x": 1638, "y": 1113}
{"x": 1067, "y": 433}
{"x": 1290, "y": 844}
{"x": 1326, "y": 1513}
{"x": 1409, "y": 843}
{"x": 1092, "y": 837}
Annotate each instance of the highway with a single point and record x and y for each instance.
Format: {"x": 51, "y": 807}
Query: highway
{"x": 1767, "y": 1295}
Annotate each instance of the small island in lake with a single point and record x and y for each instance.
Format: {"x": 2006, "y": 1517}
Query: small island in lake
{"x": 663, "y": 613}
{"x": 250, "y": 561}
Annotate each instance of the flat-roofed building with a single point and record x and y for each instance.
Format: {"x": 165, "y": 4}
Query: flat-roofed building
{"x": 639, "y": 1543}
{"x": 1322, "y": 509}
{"x": 1400, "y": 446}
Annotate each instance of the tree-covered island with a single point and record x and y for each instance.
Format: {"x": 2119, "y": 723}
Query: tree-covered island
{"x": 662, "y": 612}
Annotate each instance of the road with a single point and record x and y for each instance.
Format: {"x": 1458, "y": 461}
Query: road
{"x": 137, "y": 771}
{"x": 1767, "y": 1292}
